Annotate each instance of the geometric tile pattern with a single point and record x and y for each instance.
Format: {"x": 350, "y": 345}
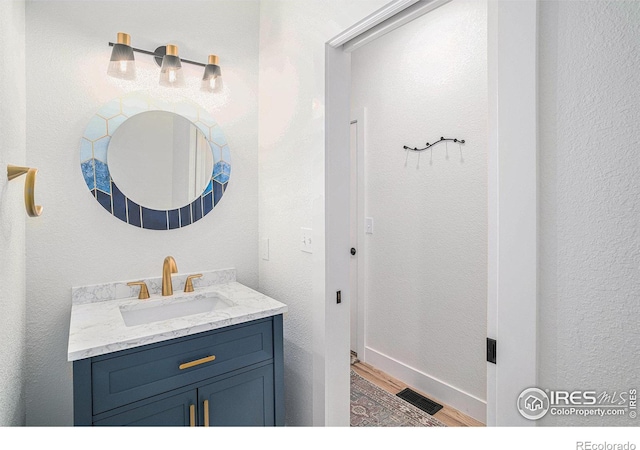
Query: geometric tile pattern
{"x": 95, "y": 170}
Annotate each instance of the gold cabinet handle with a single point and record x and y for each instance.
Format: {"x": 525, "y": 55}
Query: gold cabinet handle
{"x": 206, "y": 413}
{"x": 197, "y": 362}
{"x": 188, "y": 285}
{"x": 144, "y": 292}
{"x": 192, "y": 415}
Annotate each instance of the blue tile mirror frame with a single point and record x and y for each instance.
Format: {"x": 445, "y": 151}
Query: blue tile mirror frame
{"x": 95, "y": 168}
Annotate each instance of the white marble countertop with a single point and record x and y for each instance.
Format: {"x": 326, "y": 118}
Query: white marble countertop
{"x": 97, "y": 326}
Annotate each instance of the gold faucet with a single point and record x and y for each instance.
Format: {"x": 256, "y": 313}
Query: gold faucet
{"x": 168, "y": 267}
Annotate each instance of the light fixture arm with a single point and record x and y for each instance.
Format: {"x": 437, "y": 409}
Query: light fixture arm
{"x": 159, "y": 53}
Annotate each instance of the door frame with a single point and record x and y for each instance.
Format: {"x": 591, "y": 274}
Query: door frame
{"x": 512, "y": 208}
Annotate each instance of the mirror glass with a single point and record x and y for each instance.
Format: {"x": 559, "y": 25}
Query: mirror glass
{"x": 160, "y": 159}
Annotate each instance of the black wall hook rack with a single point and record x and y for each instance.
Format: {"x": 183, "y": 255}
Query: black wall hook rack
{"x": 442, "y": 139}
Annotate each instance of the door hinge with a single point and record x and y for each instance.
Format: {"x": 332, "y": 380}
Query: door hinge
{"x": 491, "y": 350}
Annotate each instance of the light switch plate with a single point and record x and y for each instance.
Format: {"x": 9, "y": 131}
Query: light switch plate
{"x": 306, "y": 240}
{"x": 264, "y": 249}
{"x": 368, "y": 225}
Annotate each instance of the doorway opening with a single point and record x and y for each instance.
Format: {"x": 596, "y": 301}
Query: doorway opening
{"x": 426, "y": 261}
{"x": 512, "y": 145}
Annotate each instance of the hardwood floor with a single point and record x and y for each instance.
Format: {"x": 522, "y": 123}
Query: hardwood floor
{"x": 449, "y": 416}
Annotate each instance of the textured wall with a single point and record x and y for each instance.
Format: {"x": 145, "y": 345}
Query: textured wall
{"x": 12, "y": 214}
{"x": 292, "y": 38}
{"x": 76, "y": 242}
{"x": 426, "y": 268}
{"x": 589, "y": 180}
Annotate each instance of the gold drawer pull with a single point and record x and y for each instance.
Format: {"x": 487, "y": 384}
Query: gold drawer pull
{"x": 192, "y": 415}
{"x": 197, "y": 362}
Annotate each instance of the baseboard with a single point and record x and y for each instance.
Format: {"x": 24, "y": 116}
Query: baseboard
{"x": 436, "y": 389}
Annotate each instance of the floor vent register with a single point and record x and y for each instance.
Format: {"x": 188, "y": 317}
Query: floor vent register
{"x": 419, "y": 401}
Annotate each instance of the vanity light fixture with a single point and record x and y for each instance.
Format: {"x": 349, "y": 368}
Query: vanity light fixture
{"x": 212, "y": 78}
{"x": 122, "y": 64}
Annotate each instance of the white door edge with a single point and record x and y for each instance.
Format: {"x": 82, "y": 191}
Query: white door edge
{"x": 359, "y": 116}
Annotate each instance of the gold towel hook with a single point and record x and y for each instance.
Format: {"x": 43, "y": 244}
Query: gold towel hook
{"x": 33, "y": 210}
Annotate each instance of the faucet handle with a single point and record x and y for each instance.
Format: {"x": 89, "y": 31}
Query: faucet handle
{"x": 188, "y": 285}
{"x": 144, "y": 292}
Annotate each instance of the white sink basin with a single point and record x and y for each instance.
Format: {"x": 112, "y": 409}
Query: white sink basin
{"x": 172, "y": 308}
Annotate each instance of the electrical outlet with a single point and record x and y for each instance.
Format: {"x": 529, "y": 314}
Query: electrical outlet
{"x": 264, "y": 249}
{"x": 306, "y": 240}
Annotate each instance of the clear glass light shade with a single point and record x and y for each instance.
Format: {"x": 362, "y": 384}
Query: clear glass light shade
{"x": 212, "y": 78}
{"x": 122, "y": 64}
{"x": 171, "y": 72}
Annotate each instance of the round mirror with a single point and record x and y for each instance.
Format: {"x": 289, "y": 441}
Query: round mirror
{"x": 154, "y": 163}
{"x": 160, "y": 159}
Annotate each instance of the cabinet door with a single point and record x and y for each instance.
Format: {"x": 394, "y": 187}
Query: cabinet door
{"x": 176, "y": 410}
{"x": 245, "y": 399}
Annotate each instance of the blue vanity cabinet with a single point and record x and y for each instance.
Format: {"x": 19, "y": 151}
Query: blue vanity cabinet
{"x": 245, "y": 399}
{"x": 231, "y": 376}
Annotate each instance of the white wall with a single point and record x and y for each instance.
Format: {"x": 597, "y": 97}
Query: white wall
{"x": 12, "y": 214}
{"x": 426, "y": 262}
{"x": 291, "y": 187}
{"x": 589, "y": 209}
{"x": 588, "y": 175}
{"x": 76, "y": 242}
